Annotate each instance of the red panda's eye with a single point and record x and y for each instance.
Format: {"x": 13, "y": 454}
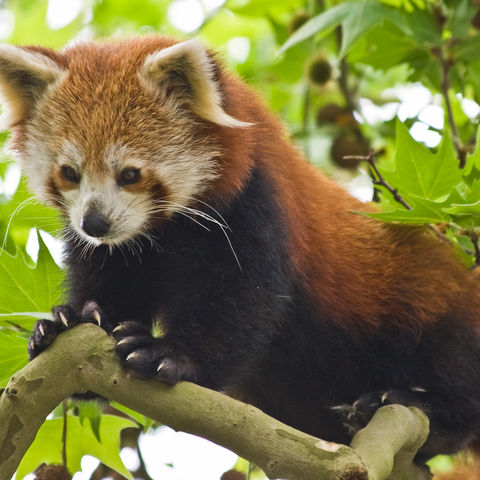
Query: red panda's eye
{"x": 129, "y": 176}
{"x": 70, "y": 174}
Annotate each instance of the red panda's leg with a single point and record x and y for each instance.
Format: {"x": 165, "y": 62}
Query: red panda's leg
{"x": 451, "y": 429}
{"x": 357, "y": 415}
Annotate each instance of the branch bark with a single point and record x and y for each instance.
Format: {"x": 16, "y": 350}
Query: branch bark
{"x": 83, "y": 359}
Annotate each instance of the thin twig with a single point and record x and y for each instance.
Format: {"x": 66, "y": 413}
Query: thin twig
{"x": 306, "y": 120}
{"x": 64, "y": 434}
{"x": 445, "y": 87}
{"x": 474, "y": 238}
{"x": 378, "y": 178}
{"x": 446, "y": 64}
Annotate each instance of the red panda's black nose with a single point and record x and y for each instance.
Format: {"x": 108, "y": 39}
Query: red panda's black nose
{"x": 95, "y": 224}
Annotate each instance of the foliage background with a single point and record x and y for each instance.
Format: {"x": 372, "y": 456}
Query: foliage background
{"x": 397, "y": 77}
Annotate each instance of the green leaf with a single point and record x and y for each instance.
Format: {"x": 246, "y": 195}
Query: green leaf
{"x": 224, "y": 26}
{"x": 383, "y": 47}
{"x": 34, "y": 315}
{"x": 464, "y": 208}
{"x": 47, "y": 446}
{"x": 93, "y": 412}
{"x": 31, "y": 26}
{"x": 420, "y": 172}
{"x": 21, "y": 323}
{"x": 473, "y": 159}
{"x": 424, "y": 211}
{"x": 356, "y": 17}
{"x": 473, "y": 75}
{"x": 110, "y": 16}
{"x": 442, "y": 464}
{"x": 423, "y": 28}
{"x": 325, "y": 21}
{"x": 13, "y": 356}
{"x": 29, "y": 288}
{"x": 146, "y": 422}
{"x": 459, "y": 17}
{"x": 257, "y": 8}
{"x": 366, "y": 15}
{"x": 25, "y": 212}
{"x": 468, "y": 49}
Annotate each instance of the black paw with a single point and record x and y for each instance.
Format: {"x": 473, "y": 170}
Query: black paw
{"x": 357, "y": 415}
{"x": 45, "y": 331}
{"x": 152, "y": 357}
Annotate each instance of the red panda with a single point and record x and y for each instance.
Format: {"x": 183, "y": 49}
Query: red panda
{"x": 187, "y": 207}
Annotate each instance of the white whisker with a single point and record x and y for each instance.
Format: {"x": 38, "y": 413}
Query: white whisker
{"x": 17, "y": 209}
{"x": 181, "y": 209}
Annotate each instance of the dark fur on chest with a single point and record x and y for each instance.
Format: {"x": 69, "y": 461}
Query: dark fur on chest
{"x": 192, "y": 271}
{"x": 256, "y": 333}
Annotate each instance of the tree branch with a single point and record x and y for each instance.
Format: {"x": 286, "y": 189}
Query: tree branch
{"x": 83, "y": 359}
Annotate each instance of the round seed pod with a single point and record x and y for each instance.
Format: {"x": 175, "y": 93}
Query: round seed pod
{"x": 233, "y": 475}
{"x": 346, "y": 144}
{"x": 476, "y": 20}
{"x": 297, "y": 20}
{"x": 52, "y": 472}
{"x": 329, "y": 113}
{"x": 319, "y": 70}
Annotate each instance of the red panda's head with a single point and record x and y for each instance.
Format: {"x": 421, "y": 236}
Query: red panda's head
{"x": 117, "y": 135}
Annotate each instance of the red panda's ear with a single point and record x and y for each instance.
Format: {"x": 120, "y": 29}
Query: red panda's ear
{"x": 25, "y": 74}
{"x": 187, "y": 71}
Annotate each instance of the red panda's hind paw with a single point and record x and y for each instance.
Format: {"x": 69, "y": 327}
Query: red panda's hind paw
{"x": 45, "y": 331}
{"x": 152, "y": 357}
{"x": 357, "y": 415}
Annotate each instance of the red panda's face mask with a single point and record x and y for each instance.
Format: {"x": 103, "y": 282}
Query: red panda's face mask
{"x": 116, "y": 143}
{"x": 127, "y": 191}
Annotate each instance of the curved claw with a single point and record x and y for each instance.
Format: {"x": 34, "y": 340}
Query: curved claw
{"x": 63, "y": 318}
{"x": 97, "y": 317}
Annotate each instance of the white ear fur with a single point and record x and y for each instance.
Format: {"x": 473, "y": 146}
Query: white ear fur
{"x": 24, "y": 76}
{"x": 190, "y": 62}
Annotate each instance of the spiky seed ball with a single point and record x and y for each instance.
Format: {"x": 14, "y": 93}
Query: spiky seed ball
{"x": 319, "y": 70}
{"x": 52, "y": 472}
{"x": 347, "y": 144}
{"x": 297, "y": 20}
{"x": 476, "y": 20}
{"x": 233, "y": 475}
{"x": 329, "y": 113}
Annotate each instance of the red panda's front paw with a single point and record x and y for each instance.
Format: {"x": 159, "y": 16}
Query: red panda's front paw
{"x": 152, "y": 357}
{"x": 45, "y": 331}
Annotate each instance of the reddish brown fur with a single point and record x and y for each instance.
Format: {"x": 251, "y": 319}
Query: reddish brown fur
{"x": 391, "y": 304}
{"x": 390, "y": 262}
